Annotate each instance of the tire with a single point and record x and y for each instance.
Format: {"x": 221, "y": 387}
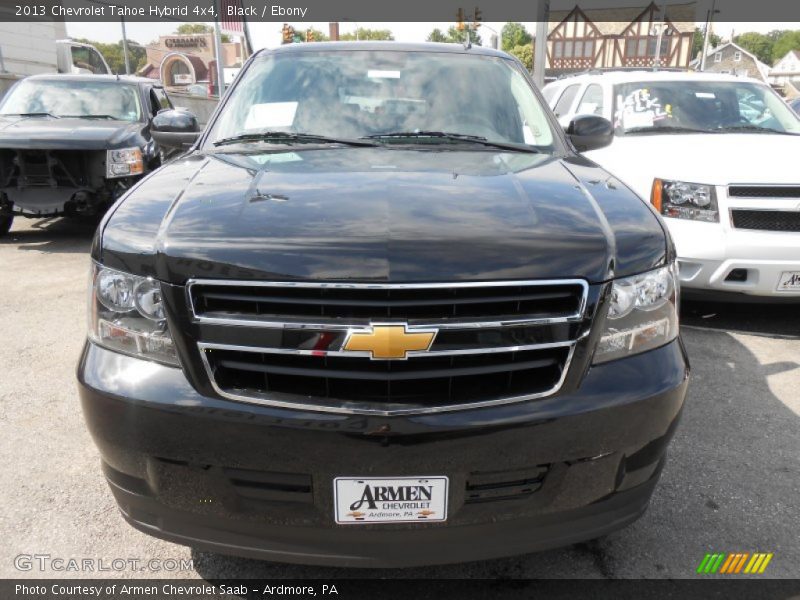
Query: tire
{"x": 5, "y": 224}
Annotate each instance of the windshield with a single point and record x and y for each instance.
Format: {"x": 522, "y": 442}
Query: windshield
{"x": 74, "y": 99}
{"x": 355, "y": 94}
{"x": 718, "y": 106}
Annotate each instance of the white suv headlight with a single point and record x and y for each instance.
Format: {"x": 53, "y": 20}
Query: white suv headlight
{"x": 682, "y": 200}
{"x": 124, "y": 162}
{"x": 642, "y": 315}
{"x": 126, "y": 314}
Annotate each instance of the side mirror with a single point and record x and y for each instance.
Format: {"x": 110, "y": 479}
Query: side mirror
{"x": 590, "y": 132}
{"x": 177, "y": 129}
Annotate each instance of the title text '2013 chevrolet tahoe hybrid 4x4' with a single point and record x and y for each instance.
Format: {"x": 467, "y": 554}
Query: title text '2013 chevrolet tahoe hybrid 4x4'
{"x": 382, "y": 314}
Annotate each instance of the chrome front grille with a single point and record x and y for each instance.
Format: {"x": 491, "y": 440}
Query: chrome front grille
{"x": 283, "y": 343}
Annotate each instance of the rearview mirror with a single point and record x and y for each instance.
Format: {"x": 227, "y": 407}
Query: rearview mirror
{"x": 177, "y": 129}
{"x": 590, "y": 132}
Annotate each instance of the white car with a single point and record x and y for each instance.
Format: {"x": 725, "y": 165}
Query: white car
{"x": 717, "y": 156}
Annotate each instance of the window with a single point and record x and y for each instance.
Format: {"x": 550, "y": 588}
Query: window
{"x": 568, "y": 49}
{"x": 565, "y": 102}
{"x": 578, "y": 48}
{"x": 360, "y": 93}
{"x": 67, "y": 98}
{"x": 717, "y": 106}
{"x": 549, "y": 93}
{"x": 642, "y": 47}
{"x": 558, "y": 49}
{"x": 737, "y": 56}
{"x": 718, "y": 57}
{"x": 588, "y": 49}
{"x": 592, "y": 101}
{"x": 653, "y": 43}
{"x": 87, "y": 60}
{"x": 159, "y": 99}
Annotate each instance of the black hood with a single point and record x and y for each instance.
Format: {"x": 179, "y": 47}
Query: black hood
{"x": 46, "y": 133}
{"x": 377, "y": 214}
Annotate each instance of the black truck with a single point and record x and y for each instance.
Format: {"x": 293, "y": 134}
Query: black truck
{"x": 72, "y": 144}
{"x": 382, "y": 313}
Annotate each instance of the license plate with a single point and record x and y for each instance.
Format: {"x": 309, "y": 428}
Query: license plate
{"x": 789, "y": 281}
{"x": 392, "y": 500}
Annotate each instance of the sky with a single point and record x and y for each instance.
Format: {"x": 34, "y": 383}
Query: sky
{"x": 267, "y": 35}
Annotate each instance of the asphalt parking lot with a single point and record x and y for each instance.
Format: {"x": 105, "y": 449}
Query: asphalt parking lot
{"x": 732, "y": 482}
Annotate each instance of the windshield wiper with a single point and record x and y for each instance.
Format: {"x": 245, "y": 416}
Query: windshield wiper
{"x": 454, "y": 137}
{"x": 754, "y": 129}
{"x": 112, "y": 117}
{"x": 667, "y": 129}
{"x": 31, "y": 114}
{"x": 286, "y": 137}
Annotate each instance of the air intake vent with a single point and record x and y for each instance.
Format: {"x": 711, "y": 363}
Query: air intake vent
{"x": 765, "y": 191}
{"x": 270, "y": 487}
{"x": 422, "y": 381}
{"x": 766, "y": 220}
{"x": 288, "y": 301}
{"x": 504, "y": 485}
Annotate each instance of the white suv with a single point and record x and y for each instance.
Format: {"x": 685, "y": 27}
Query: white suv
{"x": 717, "y": 156}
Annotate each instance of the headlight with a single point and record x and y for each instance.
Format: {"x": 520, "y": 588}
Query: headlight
{"x": 681, "y": 200}
{"x": 124, "y": 162}
{"x": 126, "y": 314}
{"x": 642, "y": 315}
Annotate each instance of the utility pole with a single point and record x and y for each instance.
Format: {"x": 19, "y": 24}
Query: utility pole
{"x": 709, "y": 18}
{"x": 125, "y": 47}
{"x": 540, "y": 48}
{"x": 248, "y": 41}
{"x": 218, "y": 52}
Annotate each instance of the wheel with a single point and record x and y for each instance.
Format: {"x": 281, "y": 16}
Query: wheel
{"x": 5, "y": 224}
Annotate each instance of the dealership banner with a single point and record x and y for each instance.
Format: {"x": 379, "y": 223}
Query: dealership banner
{"x": 232, "y": 12}
{"x": 395, "y": 589}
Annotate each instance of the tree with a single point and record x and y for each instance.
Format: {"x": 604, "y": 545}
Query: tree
{"x": 787, "y": 41}
{"x": 514, "y": 34}
{"x": 697, "y": 41}
{"x": 756, "y": 43}
{"x": 193, "y": 28}
{"x": 525, "y": 54}
{"x": 454, "y": 36}
{"x": 115, "y": 55}
{"x": 437, "y": 36}
{"x": 368, "y": 34}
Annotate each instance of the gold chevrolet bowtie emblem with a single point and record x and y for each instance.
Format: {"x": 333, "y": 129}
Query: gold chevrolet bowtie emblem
{"x": 389, "y": 341}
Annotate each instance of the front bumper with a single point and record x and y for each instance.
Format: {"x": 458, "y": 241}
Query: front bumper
{"x": 708, "y": 254}
{"x": 257, "y": 481}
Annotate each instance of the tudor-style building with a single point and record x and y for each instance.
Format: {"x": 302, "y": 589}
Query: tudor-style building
{"x": 619, "y": 38}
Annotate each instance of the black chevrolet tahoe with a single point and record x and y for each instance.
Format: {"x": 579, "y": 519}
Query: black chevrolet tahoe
{"x": 72, "y": 144}
{"x": 382, "y": 313}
